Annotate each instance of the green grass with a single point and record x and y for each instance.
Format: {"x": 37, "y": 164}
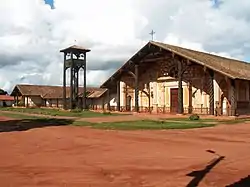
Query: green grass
{"x": 170, "y": 123}
{"x": 231, "y": 122}
{"x": 19, "y": 116}
{"x": 57, "y": 112}
{"x": 128, "y": 125}
{"x": 188, "y": 120}
{"x": 216, "y": 121}
{"x": 143, "y": 125}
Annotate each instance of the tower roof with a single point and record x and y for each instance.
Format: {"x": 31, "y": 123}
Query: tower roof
{"x": 75, "y": 48}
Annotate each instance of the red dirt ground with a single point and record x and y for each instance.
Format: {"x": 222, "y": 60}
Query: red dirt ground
{"x": 78, "y": 157}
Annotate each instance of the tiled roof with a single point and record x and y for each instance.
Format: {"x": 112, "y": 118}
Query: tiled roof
{"x": 232, "y": 68}
{"x": 75, "y": 48}
{"x": 6, "y": 98}
{"x": 51, "y": 92}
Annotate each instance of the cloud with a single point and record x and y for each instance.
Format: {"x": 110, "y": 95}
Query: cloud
{"x": 31, "y": 36}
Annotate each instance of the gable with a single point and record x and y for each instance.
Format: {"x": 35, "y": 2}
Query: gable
{"x": 231, "y": 68}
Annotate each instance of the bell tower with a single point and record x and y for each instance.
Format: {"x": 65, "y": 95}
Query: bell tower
{"x": 74, "y": 60}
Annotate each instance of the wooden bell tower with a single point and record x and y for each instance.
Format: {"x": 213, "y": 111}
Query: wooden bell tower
{"x": 74, "y": 59}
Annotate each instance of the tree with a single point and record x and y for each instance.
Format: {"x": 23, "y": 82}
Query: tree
{"x": 2, "y": 92}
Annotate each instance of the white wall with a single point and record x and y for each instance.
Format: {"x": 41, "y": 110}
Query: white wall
{"x": 8, "y": 103}
{"x": 113, "y": 100}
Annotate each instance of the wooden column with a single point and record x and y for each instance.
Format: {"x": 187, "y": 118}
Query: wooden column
{"x": 85, "y": 83}
{"x": 118, "y": 96}
{"x": 190, "y": 98}
{"x": 64, "y": 83}
{"x": 233, "y": 97}
{"x": 103, "y": 103}
{"x": 149, "y": 99}
{"x": 180, "y": 89}
{"x": 77, "y": 88}
{"x": 15, "y": 100}
{"x": 136, "y": 88}
{"x": 57, "y": 103}
{"x": 71, "y": 82}
{"x": 108, "y": 98}
{"x": 211, "y": 92}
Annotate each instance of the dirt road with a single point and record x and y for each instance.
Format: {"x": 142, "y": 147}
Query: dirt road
{"x": 78, "y": 157}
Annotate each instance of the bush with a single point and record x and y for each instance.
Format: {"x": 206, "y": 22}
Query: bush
{"x": 77, "y": 110}
{"x": 194, "y": 117}
{"x": 106, "y": 113}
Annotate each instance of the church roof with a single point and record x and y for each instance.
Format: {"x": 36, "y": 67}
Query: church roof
{"x": 232, "y": 68}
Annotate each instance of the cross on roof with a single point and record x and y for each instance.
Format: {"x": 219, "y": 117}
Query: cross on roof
{"x": 152, "y": 34}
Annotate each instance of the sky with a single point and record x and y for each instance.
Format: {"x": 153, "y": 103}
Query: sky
{"x": 35, "y": 31}
{"x": 50, "y": 2}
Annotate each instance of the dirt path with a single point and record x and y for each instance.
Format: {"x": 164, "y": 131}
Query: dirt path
{"x": 78, "y": 157}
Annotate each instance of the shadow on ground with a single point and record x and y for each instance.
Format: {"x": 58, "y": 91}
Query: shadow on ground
{"x": 200, "y": 174}
{"x": 244, "y": 182}
{"x": 26, "y": 124}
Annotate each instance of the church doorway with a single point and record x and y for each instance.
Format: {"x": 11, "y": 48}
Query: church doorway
{"x": 173, "y": 100}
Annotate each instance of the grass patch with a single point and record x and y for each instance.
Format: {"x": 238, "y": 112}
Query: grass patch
{"x": 215, "y": 121}
{"x": 170, "y": 123}
{"x": 232, "y": 122}
{"x": 58, "y": 112}
{"x": 19, "y": 116}
{"x": 144, "y": 125}
{"x": 188, "y": 120}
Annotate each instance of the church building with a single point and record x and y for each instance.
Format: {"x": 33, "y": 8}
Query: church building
{"x": 162, "y": 78}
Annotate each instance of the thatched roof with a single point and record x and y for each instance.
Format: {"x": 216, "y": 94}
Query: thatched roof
{"x": 53, "y": 92}
{"x": 232, "y": 68}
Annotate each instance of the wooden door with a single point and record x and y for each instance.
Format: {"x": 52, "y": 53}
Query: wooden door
{"x": 174, "y": 100}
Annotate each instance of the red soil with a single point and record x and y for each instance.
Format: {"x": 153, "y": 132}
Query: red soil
{"x": 76, "y": 156}
{"x": 3, "y": 118}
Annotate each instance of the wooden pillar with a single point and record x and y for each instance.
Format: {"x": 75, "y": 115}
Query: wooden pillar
{"x": 180, "y": 89}
{"x": 233, "y": 98}
{"x": 84, "y": 83}
{"x": 14, "y": 100}
{"x": 118, "y": 96}
{"x": 190, "y": 98}
{"x": 211, "y": 92}
{"x": 103, "y": 103}
{"x": 71, "y": 82}
{"x": 108, "y": 98}
{"x": 149, "y": 99}
{"x": 64, "y": 83}
{"x": 57, "y": 103}
{"x": 50, "y": 103}
{"x": 136, "y": 88}
{"x": 77, "y": 88}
